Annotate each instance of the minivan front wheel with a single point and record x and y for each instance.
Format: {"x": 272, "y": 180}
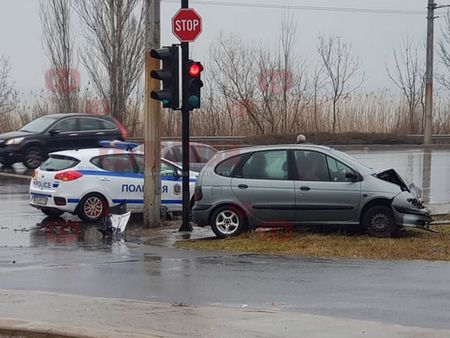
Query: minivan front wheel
{"x": 379, "y": 222}
{"x": 228, "y": 221}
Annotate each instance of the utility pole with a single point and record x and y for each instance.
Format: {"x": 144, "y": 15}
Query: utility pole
{"x": 427, "y": 137}
{"x": 428, "y": 132}
{"x": 152, "y": 120}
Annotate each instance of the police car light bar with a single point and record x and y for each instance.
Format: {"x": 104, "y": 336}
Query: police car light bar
{"x": 118, "y": 145}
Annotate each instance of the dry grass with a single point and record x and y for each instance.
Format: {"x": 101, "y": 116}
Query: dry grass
{"x": 412, "y": 244}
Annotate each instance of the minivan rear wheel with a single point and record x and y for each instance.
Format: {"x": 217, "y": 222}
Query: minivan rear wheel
{"x": 379, "y": 222}
{"x": 228, "y": 221}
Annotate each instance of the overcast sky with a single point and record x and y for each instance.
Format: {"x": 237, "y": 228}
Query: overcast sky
{"x": 372, "y": 35}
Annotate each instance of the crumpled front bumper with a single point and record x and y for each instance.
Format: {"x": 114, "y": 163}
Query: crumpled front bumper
{"x": 408, "y": 214}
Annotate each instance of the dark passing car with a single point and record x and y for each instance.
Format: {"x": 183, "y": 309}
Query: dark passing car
{"x": 31, "y": 144}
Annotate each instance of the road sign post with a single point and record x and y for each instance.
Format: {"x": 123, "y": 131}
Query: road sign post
{"x": 186, "y": 26}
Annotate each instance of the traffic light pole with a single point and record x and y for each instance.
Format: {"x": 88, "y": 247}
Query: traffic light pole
{"x": 185, "y": 112}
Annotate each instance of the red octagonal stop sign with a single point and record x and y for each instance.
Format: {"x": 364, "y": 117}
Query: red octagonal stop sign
{"x": 187, "y": 25}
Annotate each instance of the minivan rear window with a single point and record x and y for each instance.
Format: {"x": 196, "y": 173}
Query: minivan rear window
{"x": 59, "y": 162}
{"x": 227, "y": 167}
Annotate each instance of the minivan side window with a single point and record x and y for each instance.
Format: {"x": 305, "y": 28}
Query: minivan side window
{"x": 311, "y": 166}
{"x": 266, "y": 165}
{"x": 226, "y": 167}
{"x": 338, "y": 170}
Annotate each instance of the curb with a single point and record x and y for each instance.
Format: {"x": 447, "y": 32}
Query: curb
{"x": 24, "y": 177}
{"x": 34, "y": 329}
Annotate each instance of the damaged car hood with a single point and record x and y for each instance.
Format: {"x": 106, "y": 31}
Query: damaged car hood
{"x": 392, "y": 176}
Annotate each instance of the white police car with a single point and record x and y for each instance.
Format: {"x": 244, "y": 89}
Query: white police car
{"x": 88, "y": 182}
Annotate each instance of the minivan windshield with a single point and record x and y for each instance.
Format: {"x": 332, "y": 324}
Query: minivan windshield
{"x": 362, "y": 168}
{"x": 39, "y": 125}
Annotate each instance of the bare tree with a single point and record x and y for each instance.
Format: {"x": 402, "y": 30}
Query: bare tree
{"x": 340, "y": 67}
{"x": 318, "y": 83}
{"x": 8, "y": 96}
{"x": 408, "y": 75}
{"x": 58, "y": 43}
{"x": 113, "y": 54}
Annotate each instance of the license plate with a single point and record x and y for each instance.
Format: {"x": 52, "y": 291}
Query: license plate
{"x": 40, "y": 200}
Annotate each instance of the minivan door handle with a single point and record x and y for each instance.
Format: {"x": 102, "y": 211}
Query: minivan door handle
{"x": 242, "y": 186}
{"x": 304, "y": 188}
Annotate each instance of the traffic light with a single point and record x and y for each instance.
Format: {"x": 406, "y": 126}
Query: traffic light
{"x": 169, "y": 75}
{"x": 194, "y": 84}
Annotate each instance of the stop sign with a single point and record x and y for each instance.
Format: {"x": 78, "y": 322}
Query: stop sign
{"x": 187, "y": 25}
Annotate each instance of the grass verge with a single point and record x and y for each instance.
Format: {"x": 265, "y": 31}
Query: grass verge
{"x": 412, "y": 244}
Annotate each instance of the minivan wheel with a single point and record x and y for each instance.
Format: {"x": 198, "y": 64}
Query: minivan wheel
{"x": 379, "y": 222}
{"x": 92, "y": 208}
{"x": 228, "y": 221}
{"x": 33, "y": 158}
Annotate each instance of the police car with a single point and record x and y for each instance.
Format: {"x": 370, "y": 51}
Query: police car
{"x": 88, "y": 182}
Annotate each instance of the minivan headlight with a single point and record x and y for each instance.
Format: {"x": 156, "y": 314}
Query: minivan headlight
{"x": 16, "y": 140}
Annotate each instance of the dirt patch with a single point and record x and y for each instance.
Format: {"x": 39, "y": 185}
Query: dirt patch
{"x": 335, "y": 139}
{"x": 412, "y": 244}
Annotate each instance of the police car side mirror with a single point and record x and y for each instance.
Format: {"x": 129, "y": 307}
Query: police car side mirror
{"x": 177, "y": 173}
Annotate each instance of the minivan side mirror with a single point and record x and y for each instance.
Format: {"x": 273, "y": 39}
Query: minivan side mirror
{"x": 353, "y": 176}
{"x": 54, "y": 132}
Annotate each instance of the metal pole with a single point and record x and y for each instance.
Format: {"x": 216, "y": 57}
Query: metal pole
{"x": 428, "y": 131}
{"x": 186, "y": 224}
{"x": 152, "y": 120}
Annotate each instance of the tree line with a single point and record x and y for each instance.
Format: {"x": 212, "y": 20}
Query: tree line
{"x": 249, "y": 88}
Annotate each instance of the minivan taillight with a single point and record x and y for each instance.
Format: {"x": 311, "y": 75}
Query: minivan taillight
{"x": 198, "y": 194}
{"x": 122, "y": 129}
{"x": 68, "y": 176}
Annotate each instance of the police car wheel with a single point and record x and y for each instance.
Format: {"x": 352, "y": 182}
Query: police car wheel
{"x": 52, "y": 212}
{"x": 92, "y": 208}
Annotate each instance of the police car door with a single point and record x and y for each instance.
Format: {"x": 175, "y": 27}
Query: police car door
{"x": 170, "y": 183}
{"x": 121, "y": 182}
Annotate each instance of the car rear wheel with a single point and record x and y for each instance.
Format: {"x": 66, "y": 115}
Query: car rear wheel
{"x": 228, "y": 221}
{"x": 52, "y": 212}
{"x": 33, "y": 157}
{"x": 92, "y": 208}
{"x": 379, "y": 222}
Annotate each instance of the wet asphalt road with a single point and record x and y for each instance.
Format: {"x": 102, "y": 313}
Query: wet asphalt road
{"x": 68, "y": 257}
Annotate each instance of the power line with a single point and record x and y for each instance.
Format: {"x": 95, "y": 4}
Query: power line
{"x": 303, "y": 7}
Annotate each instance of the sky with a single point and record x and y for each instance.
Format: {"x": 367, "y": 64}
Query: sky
{"x": 373, "y": 36}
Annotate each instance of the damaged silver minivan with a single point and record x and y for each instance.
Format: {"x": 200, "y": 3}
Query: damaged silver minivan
{"x": 302, "y": 184}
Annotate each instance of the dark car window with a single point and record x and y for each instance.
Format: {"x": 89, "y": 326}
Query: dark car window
{"x": 338, "y": 170}
{"x": 39, "y": 125}
{"x": 311, "y": 166}
{"x": 107, "y": 125}
{"x": 89, "y": 124}
{"x": 226, "y": 167}
{"x": 120, "y": 163}
{"x": 268, "y": 165}
{"x": 204, "y": 153}
{"x": 66, "y": 125}
{"x": 58, "y": 162}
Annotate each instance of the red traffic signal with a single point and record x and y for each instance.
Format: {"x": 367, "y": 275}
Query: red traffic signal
{"x": 195, "y": 69}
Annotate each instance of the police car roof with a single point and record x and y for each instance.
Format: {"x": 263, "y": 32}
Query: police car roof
{"x": 90, "y": 152}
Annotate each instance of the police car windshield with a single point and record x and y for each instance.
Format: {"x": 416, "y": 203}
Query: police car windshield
{"x": 39, "y": 125}
{"x": 58, "y": 163}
